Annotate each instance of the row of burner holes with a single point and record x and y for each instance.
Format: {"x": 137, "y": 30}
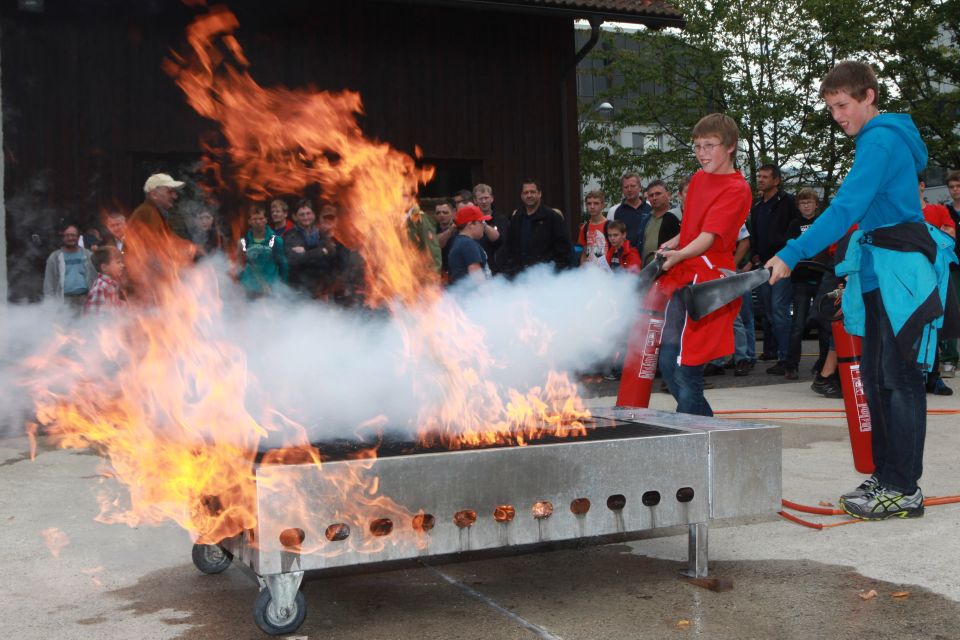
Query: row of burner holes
{"x": 504, "y": 513}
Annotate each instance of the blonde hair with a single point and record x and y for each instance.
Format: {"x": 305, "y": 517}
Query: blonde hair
{"x": 808, "y": 194}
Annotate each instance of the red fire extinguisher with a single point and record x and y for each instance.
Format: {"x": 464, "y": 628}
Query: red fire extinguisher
{"x": 849, "y": 349}
{"x": 643, "y": 350}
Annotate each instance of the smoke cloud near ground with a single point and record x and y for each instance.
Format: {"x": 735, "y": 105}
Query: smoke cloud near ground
{"x": 333, "y": 370}
{"x": 26, "y": 331}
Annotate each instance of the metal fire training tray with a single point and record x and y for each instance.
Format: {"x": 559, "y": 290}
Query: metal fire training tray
{"x": 635, "y": 470}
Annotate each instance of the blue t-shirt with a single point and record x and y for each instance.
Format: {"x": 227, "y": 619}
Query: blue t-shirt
{"x": 75, "y": 273}
{"x": 464, "y": 252}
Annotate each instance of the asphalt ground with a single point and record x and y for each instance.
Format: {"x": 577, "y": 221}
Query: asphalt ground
{"x": 787, "y": 581}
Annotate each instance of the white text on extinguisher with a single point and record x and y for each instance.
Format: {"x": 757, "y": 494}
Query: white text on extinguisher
{"x": 863, "y": 413}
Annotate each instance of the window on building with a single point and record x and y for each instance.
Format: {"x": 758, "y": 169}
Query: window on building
{"x": 645, "y": 142}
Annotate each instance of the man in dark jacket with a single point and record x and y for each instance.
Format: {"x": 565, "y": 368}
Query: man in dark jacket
{"x": 632, "y": 210}
{"x": 770, "y": 219}
{"x": 662, "y": 225}
{"x": 495, "y": 230}
{"x": 309, "y": 252}
{"x": 537, "y": 234}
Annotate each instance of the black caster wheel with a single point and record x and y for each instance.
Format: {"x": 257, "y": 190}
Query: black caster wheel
{"x": 211, "y": 558}
{"x": 278, "y": 622}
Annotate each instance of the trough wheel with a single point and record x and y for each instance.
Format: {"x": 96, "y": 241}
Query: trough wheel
{"x": 211, "y": 558}
{"x": 277, "y": 623}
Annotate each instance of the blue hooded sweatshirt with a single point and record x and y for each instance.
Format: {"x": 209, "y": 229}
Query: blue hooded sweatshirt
{"x": 880, "y": 191}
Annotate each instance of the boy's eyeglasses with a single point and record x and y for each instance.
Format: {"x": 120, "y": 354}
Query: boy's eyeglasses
{"x": 710, "y": 146}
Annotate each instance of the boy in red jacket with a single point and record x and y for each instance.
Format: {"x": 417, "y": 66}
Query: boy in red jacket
{"x": 620, "y": 255}
{"x": 717, "y": 203}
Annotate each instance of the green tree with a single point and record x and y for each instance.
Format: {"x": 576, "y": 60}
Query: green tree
{"x": 761, "y": 62}
{"x": 921, "y": 59}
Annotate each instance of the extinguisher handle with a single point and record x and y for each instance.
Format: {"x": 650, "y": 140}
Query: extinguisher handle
{"x": 649, "y": 274}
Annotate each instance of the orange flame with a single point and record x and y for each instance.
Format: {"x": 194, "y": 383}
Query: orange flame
{"x": 281, "y": 141}
{"x": 164, "y": 400}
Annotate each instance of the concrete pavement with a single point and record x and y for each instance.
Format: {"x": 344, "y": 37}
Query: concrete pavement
{"x": 111, "y": 581}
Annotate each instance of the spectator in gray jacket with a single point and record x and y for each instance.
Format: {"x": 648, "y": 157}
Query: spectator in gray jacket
{"x": 70, "y": 272}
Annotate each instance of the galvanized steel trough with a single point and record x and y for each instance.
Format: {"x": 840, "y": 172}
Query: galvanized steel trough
{"x": 636, "y": 470}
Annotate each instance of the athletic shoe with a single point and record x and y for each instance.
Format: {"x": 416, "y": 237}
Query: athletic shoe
{"x": 948, "y": 370}
{"x": 729, "y": 364}
{"x": 881, "y": 503}
{"x": 865, "y": 487}
{"x": 777, "y": 369}
{"x": 820, "y": 383}
{"x": 832, "y": 390}
{"x": 791, "y": 374}
{"x": 711, "y": 369}
{"x": 743, "y": 368}
{"x": 939, "y": 388}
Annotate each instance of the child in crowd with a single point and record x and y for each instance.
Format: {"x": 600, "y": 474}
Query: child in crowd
{"x": 106, "y": 294}
{"x": 716, "y": 206}
{"x": 938, "y": 216}
{"x": 446, "y": 231}
{"x": 896, "y": 265}
{"x": 422, "y": 231}
{"x": 261, "y": 255}
{"x": 620, "y": 255}
{"x": 593, "y": 233}
{"x": 949, "y": 353}
{"x": 467, "y": 257}
{"x": 279, "y": 218}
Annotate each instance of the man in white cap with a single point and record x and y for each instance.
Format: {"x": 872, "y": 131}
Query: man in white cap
{"x": 153, "y": 245}
{"x": 154, "y": 214}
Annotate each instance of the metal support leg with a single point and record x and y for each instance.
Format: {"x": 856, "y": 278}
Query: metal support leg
{"x": 697, "y": 550}
{"x": 283, "y": 589}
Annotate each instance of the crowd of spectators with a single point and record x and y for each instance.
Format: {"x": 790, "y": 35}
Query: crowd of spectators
{"x": 469, "y": 240}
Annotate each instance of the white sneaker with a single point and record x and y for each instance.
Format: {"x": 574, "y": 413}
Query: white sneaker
{"x": 948, "y": 370}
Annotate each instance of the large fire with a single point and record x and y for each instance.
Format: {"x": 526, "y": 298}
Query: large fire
{"x": 163, "y": 399}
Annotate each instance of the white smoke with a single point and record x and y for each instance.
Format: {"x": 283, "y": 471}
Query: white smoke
{"x": 25, "y": 331}
{"x": 333, "y": 370}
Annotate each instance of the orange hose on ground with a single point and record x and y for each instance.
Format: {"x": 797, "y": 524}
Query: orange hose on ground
{"x": 820, "y": 511}
{"x": 823, "y": 511}
{"x": 931, "y": 501}
{"x": 729, "y": 411}
{"x": 841, "y": 416}
{"x": 936, "y": 412}
{"x": 814, "y": 525}
{"x": 800, "y": 521}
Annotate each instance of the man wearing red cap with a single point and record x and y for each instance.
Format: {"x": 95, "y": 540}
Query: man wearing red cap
{"x": 467, "y": 258}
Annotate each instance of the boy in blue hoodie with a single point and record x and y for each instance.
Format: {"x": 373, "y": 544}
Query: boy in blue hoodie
{"x": 895, "y": 296}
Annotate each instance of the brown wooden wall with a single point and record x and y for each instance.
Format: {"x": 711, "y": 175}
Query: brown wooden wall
{"x": 88, "y": 112}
